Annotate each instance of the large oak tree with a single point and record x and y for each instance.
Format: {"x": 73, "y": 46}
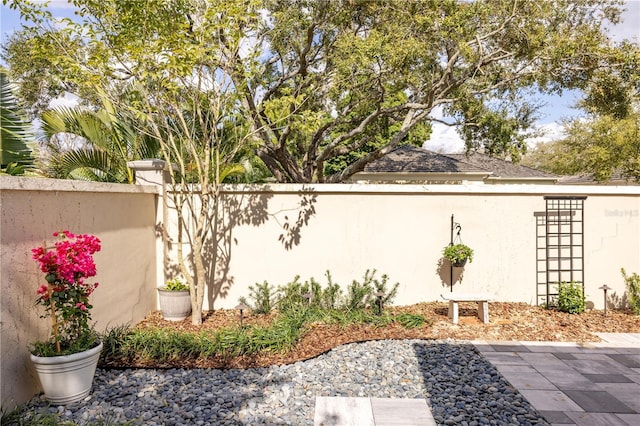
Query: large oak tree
{"x": 318, "y": 80}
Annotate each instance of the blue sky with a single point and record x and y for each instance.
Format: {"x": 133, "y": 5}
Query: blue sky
{"x": 444, "y": 138}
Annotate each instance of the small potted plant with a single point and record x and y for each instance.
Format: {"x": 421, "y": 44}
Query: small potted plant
{"x": 458, "y": 254}
{"x": 66, "y": 362}
{"x": 175, "y": 300}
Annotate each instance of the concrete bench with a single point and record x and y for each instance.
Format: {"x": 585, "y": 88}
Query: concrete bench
{"x": 481, "y": 298}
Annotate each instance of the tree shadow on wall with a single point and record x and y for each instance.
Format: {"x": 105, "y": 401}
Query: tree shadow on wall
{"x": 614, "y": 301}
{"x": 449, "y": 277}
{"x": 291, "y": 228}
{"x": 249, "y": 208}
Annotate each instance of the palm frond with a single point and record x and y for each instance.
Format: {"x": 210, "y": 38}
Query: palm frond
{"x": 89, "y": 164}
{"x": 15, "y": 131}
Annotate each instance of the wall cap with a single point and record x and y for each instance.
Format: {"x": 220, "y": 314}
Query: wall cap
{"x": 17, "y": 183}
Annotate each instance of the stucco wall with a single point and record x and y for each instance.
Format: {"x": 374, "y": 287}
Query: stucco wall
{"x": 400, "y": 230}
{"x": 122, "y": 216}
{"x": 276, "y": 232}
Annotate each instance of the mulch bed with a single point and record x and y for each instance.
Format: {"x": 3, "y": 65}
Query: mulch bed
{"x": 508, "y": 321}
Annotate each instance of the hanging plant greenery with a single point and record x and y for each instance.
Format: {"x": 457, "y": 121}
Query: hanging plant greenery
{"x": 458, "y": 254}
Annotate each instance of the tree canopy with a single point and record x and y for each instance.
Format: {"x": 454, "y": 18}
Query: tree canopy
{"x": 326, "y": 86}
{"x": 601, "y": 145}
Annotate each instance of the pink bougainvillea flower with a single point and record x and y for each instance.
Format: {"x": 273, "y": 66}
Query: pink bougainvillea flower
{"x": 67, "y": 266}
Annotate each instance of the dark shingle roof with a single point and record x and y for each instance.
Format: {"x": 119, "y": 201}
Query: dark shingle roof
{"x": 413, "y": 159}
{"x": 501, "y": 168}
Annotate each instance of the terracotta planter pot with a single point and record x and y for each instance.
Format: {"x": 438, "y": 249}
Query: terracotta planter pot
{"x": 67, "y": 378}
{"x": 175, "y": 305}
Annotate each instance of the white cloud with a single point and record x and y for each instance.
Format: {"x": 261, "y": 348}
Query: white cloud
{"x": 549, "y": 132}
{"x": 444, "y": 139}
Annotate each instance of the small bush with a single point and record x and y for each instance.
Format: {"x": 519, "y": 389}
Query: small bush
{"x": 363, "y": 295}
{"x": 633, "y": 290}
{"x": 290, "y": 295}
{"x": 331, "y": 294}
{"x": 263, "y": 297}
{"x": 358, "y": 294}
{"x": 571, "y": 298}
{"x": 176, "y": 285}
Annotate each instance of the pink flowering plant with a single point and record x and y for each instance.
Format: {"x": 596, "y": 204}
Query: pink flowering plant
{"x": 65, "y": 295}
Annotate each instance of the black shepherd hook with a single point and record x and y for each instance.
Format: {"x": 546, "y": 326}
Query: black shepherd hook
{"x": 457, "y": 228}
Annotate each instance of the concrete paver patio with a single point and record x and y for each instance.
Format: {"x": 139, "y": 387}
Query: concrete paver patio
{"x": 567, "y": 383}
{"x": 571, "y": 383}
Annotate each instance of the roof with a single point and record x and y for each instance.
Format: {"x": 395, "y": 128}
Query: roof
{"x": 501, "y": 168}
{"x": 411, "y": 159}
{"x": 617, "y": 178}
{"x": 408, "y": 158}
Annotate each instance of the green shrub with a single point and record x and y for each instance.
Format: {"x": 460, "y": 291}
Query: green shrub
{"x": 363, "y": 295}
{"x": 112, "y": 342}
{"x": 331, "y": 294}
{"x": 408, "y": 320}
{"x": 263, "y": 297}
{"x": 175, "y": 284}
{"x": 458, "y": 253}
{"x": 358, "y": 295}
{"x": 571, "y": 298}
{"x": 632, "y": 283}
{"x": 292, "y": 295}
{"x": 381, "y": 287}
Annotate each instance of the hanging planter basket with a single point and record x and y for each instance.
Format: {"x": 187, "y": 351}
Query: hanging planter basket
{"x": 458, "y": 254}
{"x": 460, "y": 263}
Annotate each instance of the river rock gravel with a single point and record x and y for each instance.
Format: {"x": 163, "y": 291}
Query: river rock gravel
{"x": 460, "y": 386}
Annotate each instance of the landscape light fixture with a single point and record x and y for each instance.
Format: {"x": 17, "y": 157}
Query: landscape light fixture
{"x": 241, "y": 307}
{"x": 308, "y": 296}
{"x": 380, "y": 295}
{"x": 605, "y": 288}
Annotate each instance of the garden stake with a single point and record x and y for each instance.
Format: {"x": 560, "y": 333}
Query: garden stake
{"x": 54, "y": 325}
{"x": 605, "y": 288}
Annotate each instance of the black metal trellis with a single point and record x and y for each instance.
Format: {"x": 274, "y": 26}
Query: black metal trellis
{"x": 559, "y": 246}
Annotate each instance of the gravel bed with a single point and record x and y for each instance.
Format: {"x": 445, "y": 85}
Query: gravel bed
{"x": 460, "y": 386}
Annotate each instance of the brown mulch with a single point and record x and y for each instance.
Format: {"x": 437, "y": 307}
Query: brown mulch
{"x": 507, "y": 321}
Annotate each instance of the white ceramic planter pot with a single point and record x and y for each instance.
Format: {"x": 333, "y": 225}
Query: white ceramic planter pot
{"x": 175, "y": 305}
{"x": 67, "y": 378}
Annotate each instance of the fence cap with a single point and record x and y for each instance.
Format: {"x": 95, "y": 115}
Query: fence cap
{"x": 149, "y": 164}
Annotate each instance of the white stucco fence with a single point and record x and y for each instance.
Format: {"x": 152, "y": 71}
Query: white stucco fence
{"x": 400, "y": 230}
{"x": 275, "y": 232}
{"x": 122, "y": 216}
